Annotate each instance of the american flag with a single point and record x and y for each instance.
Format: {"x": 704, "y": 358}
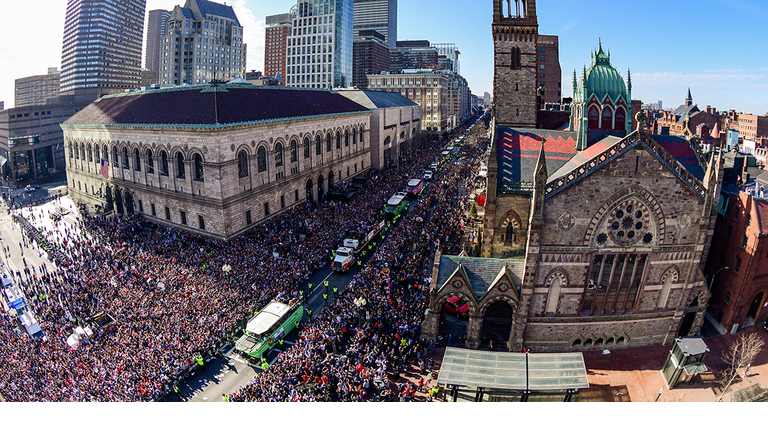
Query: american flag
{"x": 104, "y": 168}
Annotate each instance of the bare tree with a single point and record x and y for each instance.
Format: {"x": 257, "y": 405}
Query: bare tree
{"x": 741, "y": 354}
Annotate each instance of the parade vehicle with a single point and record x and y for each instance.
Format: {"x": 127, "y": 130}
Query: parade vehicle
{"x": 270, "y": 325}
{"x": 428, "y": 175}
{"x": 415, "y": 186}
{"x": 30, "y": 324}
{"x": 353, "y": 244}
{"x": 396, "y": 204}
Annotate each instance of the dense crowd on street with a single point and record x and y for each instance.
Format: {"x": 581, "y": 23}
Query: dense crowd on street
{"x": 171, "y": 299}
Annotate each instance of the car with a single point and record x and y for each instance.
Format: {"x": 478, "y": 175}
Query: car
{"x": 434, "y": 167}
{"x": 31, "y": 188}
{"x": 428, "y": 175}
{"x": 457, "y": 307}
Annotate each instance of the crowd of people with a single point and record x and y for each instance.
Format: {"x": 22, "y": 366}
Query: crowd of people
{"x": 172, "y": 300}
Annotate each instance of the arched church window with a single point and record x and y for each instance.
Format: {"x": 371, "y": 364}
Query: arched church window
{"x": 607, "y": 118}
{"x": 594, "y": 118}
{"x": 621, "y": 118}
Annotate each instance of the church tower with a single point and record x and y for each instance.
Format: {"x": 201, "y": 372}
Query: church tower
{"x": 515, "y": 33}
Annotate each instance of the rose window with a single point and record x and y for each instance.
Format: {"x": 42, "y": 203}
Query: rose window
{"x": 627, "y": 224}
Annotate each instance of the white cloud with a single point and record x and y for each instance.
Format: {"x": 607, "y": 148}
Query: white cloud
{"x": 254, "y": 35}
{"x": 722, "y": 79}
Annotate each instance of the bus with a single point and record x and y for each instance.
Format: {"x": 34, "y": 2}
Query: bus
{"x": 396, "y": 204}
{"x": 268, "y": 327}
{"x": 415, "y": 186}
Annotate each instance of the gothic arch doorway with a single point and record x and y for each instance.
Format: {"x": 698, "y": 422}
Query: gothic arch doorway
{"x": 754, "y": 308}
{"x": 497, "y": 324}
{"x": 118, "y": 201}
{"x": 129, "y": 203}
{"x": 453, "y": 321}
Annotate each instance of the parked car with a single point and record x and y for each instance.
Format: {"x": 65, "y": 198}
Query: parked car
{"x": 457, "y": 307}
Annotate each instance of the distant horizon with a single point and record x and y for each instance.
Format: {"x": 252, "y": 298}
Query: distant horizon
{"x": 667, "y": 47}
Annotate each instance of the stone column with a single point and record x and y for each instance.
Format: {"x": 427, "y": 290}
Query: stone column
{"x": 474, "y": 327}
{"x": 430, "y": 327}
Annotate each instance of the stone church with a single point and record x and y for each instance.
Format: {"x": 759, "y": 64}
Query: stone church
{"x": 593, "y": 237}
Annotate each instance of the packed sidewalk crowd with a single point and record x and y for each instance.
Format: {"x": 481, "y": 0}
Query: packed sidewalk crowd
{"x": 172, "y": 301}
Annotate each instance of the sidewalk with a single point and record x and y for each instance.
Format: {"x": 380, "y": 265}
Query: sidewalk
{"x": 636, "y": 373}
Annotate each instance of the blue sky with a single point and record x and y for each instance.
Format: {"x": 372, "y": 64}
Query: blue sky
{"x": 716, "y": 47}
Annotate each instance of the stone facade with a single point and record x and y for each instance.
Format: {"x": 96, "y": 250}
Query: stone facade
{"x": 203, "y": 186}
{"x": 515, "y": 35}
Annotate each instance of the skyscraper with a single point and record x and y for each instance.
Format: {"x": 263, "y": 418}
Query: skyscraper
{"x": 448, "y": 56}
{"x": 203, "y": 40}
{"x": 276, "y": 43}
{"x": 378, "y": 15}
{"x": 320, "y": 47}
{"x": 101, "y": 50}
{"x": 371, "y": 57}
{"x": 158, "y": 19}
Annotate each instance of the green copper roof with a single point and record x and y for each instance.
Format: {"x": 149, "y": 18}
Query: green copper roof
{"x": 601, "y": 78}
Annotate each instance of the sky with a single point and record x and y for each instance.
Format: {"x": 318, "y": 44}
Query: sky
{"x": 714, "y": 47}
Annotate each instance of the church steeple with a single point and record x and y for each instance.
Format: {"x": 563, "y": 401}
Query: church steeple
{"x": 689, "y": 99}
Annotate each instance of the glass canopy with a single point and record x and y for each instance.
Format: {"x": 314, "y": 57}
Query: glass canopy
{"x": 513, "y": 371}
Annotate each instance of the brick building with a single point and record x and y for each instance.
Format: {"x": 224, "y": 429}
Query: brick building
{"x": 739, "y": 262}
{"x": 370, "y": 56}
{"x": 276, "y": 44}
{"x": 582, "y": 249}
{"x": 215, "y": 160}
{"x": 548, "y": 69}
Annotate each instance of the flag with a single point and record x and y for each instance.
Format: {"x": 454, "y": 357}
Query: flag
{"x": 104, "y": 168}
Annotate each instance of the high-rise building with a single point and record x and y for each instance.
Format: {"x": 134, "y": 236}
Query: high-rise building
{"x": 319, "y": 52}
{"x": 203, "y": 41}
{"x": 378, "y": 15}
{"x": 448, "y": 57}
{"x": 36, "y": 89}
{"x": 443, "y": 96}
{"x": 548, "y": 69}
{"x": 276, "y": 44}
{"x": 158, "y": 19}
{"x": 101, "y": 51}
{"x": 370, "y": 56}
{"x": 415, "y": 54}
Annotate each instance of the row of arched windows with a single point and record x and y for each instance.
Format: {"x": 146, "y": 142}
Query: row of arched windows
{"x": 608, "y": 119}
{"x": 79, "y": 151}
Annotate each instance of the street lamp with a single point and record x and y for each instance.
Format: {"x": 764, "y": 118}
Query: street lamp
{"x": 712, "y": 282}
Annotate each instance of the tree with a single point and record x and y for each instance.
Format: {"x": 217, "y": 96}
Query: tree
{"x": 473, "y": 211}
{"x": 741, "y": 354}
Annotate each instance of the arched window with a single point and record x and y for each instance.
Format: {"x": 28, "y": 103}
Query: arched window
{"x": 198, "y": 162}
{"x": 516, "y": 58}
{"x": 136, "y": 160}
{"x": 594, "y": 118}
{"x": 71, "y": 152}
{"x": 96, "y": 153}
{"x": 163, "y": 163}
{"x": 90, "y": 154}
{"x": 242, "y": 164}
{"x": 318, "y": 145}
{"x": 114, "y": 156}
{"x": 338, "y": 140}
{"x": 306, "y": 147}
{"x": 387, "y": 141}
{"x": 553, "y": 296}
{"x": 82, "y": 152}
{"x": 346, "y": 138}
{"x": 621, "y": 119}
{"x": 294, "y": 150}
{"x": 328, "y": 142}
{"x": 261, "y": 159}
{"x": 180, "y": 173}
{"x": 106, "y": 153}
{"x": 361, "y": 135}
{"x": 150, "y": 162}
{"x": 607, "y": 118}
{"x": 125, "y": 157}
{"x": 278, "y": 155}
{"x": 354, "y": 136}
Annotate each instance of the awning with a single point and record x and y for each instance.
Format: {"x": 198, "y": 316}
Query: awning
{"x": 513, "y": 371}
